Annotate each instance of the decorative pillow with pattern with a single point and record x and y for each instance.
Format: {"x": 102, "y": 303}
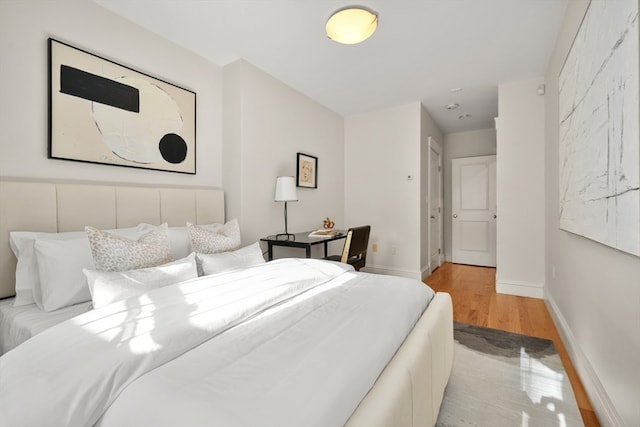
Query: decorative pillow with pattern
{"x": 222, "y": 239}
{"x": 115, "y": 253}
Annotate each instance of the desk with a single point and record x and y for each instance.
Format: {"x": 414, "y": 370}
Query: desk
{"x": 301, "y": 240}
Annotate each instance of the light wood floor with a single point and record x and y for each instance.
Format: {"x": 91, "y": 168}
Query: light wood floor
{"x": 475, "y": 301}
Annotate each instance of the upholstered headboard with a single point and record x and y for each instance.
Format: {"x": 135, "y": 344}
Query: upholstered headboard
{"x": 58, "y": 206}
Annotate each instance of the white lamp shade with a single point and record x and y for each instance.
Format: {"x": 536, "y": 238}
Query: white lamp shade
{"x": 286, "y": 189}
{"x": 351, "y": 25}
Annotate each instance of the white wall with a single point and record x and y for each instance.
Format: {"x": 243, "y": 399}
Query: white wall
{"x": 24, "y": 28}
{"x": 457, "y": 145}
{"x": 265, "y": 124}
{"x": 382, "y": 149}
{"x": 275, "y": 122}
{"x": 593, "y": 290}
{"x": 520, "y": 189}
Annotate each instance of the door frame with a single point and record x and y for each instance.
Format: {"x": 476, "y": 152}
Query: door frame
{"x": 434, "y": 146}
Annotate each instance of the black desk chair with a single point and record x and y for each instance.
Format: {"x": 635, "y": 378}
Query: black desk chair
{"x": 355, "y": 247}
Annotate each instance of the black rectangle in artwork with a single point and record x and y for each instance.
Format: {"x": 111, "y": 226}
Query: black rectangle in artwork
{"x": 96, "y": 88}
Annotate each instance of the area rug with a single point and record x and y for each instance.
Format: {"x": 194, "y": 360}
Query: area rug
{"x": 505, "y": 379}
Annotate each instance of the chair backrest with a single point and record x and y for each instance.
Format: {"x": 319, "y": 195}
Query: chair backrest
{"x": 356, "y": 244}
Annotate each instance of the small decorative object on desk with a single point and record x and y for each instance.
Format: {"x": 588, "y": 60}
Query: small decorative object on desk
{"x": 328, "y": 224}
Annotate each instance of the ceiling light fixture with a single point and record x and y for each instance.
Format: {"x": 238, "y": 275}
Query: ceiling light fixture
{"x": 452, "y": 106}
{"x": 352, "y": 25}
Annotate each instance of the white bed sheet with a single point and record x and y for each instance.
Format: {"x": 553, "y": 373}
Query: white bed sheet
{"x": 341, "y": 336}
{"x": 291, "y": 360}
{"x": 18, "y": 324}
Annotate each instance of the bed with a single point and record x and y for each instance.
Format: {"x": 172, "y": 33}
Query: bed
{"x": 261, "y": 345}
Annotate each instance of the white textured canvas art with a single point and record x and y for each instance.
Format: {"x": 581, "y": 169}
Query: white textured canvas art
{"x": 599, "y": 120}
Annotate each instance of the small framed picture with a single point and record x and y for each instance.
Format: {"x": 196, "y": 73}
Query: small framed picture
{"x": 307, "y": 171}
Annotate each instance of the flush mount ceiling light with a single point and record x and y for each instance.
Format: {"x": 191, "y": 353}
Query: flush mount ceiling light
{"x": 352, "y": 25}
{"x": 452, "y": 106}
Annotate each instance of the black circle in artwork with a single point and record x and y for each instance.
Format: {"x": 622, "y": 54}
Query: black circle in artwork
{"x": 173, "y": 148}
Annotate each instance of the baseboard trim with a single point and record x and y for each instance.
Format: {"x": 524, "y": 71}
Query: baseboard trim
{"x": 377, "y": 269}
{"x": 600, "y": 401}
{"x": 425, "y": 272}
{"x": 520, "y": 289}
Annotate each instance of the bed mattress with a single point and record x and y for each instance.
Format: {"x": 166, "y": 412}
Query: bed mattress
{"x": 18, "y": 324}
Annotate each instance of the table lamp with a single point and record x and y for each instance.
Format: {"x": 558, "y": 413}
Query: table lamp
{"x": 285, "y": 192}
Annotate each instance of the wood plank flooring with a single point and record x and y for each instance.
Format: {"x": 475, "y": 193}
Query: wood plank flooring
{"x": 475, "y": 301}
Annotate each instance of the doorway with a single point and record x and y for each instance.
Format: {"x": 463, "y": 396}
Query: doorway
{"x": 434, "y": 206}
{"x": 473, "y": 209}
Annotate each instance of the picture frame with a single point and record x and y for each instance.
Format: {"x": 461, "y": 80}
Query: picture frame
{"x": 599, "y": 124}
{"x": 306, "y": 171}
{"x": 107, "y": 113}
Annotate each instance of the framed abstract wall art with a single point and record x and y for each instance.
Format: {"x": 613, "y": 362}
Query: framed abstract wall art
{"x": 599, "y": 150}
{"x": 307, "y": 171}
{"x": 104, "y": 112}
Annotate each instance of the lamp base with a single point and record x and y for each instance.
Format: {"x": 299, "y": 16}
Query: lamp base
{"x": 285, "y": 236}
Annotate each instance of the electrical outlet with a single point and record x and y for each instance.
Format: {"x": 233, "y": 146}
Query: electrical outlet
{"x": 375, "y": 247}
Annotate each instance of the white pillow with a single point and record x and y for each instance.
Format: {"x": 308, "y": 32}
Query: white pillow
{"x": 226, "y": 261}
{"x": 22, "y": 243}
{"x": 27, "y": 276}
{"x": 60, "y": 264}
{"x": 116, "y": 253}
{"x": 222, "y": 239}
{"x": 107, "y": 287}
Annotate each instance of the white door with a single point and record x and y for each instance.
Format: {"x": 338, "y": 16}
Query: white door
{"x": 473, "y": 208}
{"x": 435, "y": 204}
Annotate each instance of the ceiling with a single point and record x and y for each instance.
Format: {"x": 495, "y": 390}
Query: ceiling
{"x": 421, "y": 50}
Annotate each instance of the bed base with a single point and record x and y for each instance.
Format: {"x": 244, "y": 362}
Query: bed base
{"x": 409, "y": 391}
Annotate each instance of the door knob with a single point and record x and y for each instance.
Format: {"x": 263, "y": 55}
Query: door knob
{"x": 433, "y": 217}
{"x": 455, "y": 215}
{"x": 495, "y": 216}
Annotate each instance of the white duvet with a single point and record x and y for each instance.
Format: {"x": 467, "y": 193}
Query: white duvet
{"x": 288, "y": 343}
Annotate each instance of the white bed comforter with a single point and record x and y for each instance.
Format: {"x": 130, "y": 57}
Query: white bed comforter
{"x": 292, "y": 342}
